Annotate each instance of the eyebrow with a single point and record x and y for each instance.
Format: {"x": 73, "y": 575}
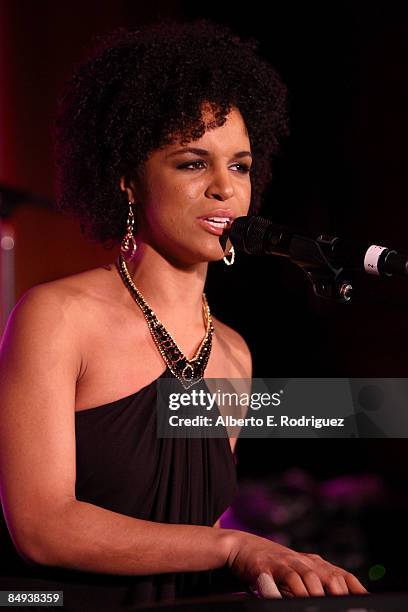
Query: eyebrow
{"x": 204, "y": 152}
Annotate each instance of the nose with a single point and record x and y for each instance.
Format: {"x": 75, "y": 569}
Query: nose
{"x": 220, "y": 187}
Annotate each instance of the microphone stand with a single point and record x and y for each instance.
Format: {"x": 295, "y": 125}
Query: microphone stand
{"x": 328, "y": 281}
{"x": 330, "y": 264}
{"x": 335, "y": 282}
{"x": 259, "y": 236}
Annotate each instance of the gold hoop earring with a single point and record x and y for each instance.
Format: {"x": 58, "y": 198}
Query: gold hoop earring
{"x": 229, "y": 262}
{"x": 128, "y": 245}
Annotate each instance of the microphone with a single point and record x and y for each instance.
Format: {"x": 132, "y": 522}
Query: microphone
{"x": 258, "y": 236}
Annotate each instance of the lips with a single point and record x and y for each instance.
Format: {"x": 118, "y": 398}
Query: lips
{"x": 214, "y": 227}
{"x": 216, "y": 221}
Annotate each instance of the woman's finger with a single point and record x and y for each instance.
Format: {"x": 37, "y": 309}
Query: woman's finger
{"x": 343, "y": 584}
{"x": 266, "y": 586}
{"x": 354, "y": 585}
{"x": 312, "y": 578}
{"x": 290, "y": 578}
{"x": 335, "y": 585}
{"x": 347, "y": 580}
{"x": 313, "y": 583}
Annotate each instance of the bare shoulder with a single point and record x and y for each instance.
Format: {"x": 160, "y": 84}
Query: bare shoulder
{"x": 39, "y": 325}
{"x": 228, "y": 335}
{"x": 68, "y": 300}
{"x": 57, "y": 312}
{"x": 92, "y": 283}
{"x": 41, "y": 309}
{"x": 235, "y": 348}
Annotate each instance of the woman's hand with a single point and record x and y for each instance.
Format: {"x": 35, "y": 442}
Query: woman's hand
{"x": 275, "y": 570}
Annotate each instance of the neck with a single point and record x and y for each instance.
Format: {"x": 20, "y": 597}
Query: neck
{"x": 174, "y": 292}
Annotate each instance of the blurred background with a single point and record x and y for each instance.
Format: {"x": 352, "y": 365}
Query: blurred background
{"x": 342, "y": 172}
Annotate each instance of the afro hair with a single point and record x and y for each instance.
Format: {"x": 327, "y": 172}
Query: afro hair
{"x": 138, "y": 90}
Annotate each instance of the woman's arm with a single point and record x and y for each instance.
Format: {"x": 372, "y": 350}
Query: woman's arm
{"x": 40, "y": 361}
{"x": 90, "y": 538}
{"x": 39, "y": 366}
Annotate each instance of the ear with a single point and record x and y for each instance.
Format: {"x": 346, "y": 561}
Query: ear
{"x": 129, "y": 189}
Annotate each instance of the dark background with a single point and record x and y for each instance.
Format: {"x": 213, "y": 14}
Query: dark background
{"x": 342, "y": 171}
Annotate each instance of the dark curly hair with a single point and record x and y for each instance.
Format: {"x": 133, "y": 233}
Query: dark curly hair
{"x": 141, "y": 89}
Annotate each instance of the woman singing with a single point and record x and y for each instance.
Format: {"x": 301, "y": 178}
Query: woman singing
{"x": 164, "y": 136}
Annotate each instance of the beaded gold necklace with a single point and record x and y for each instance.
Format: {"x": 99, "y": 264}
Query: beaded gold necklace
{"x": 187, "y": 371}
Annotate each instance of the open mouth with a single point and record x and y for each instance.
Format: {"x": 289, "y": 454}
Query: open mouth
{"x": 215, "y": 225}
{"x": 219, "y": 222}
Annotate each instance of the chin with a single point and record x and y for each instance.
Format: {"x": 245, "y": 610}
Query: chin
{"x": 214, "y": 255}
{"x": 199, "y": 249}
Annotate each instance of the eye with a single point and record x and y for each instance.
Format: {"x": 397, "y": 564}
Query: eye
{"x": 243, "y": 168}
{"x": 187, "y": 166}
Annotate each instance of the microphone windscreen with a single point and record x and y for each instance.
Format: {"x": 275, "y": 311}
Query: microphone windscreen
{"x": 247, "y": 234}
